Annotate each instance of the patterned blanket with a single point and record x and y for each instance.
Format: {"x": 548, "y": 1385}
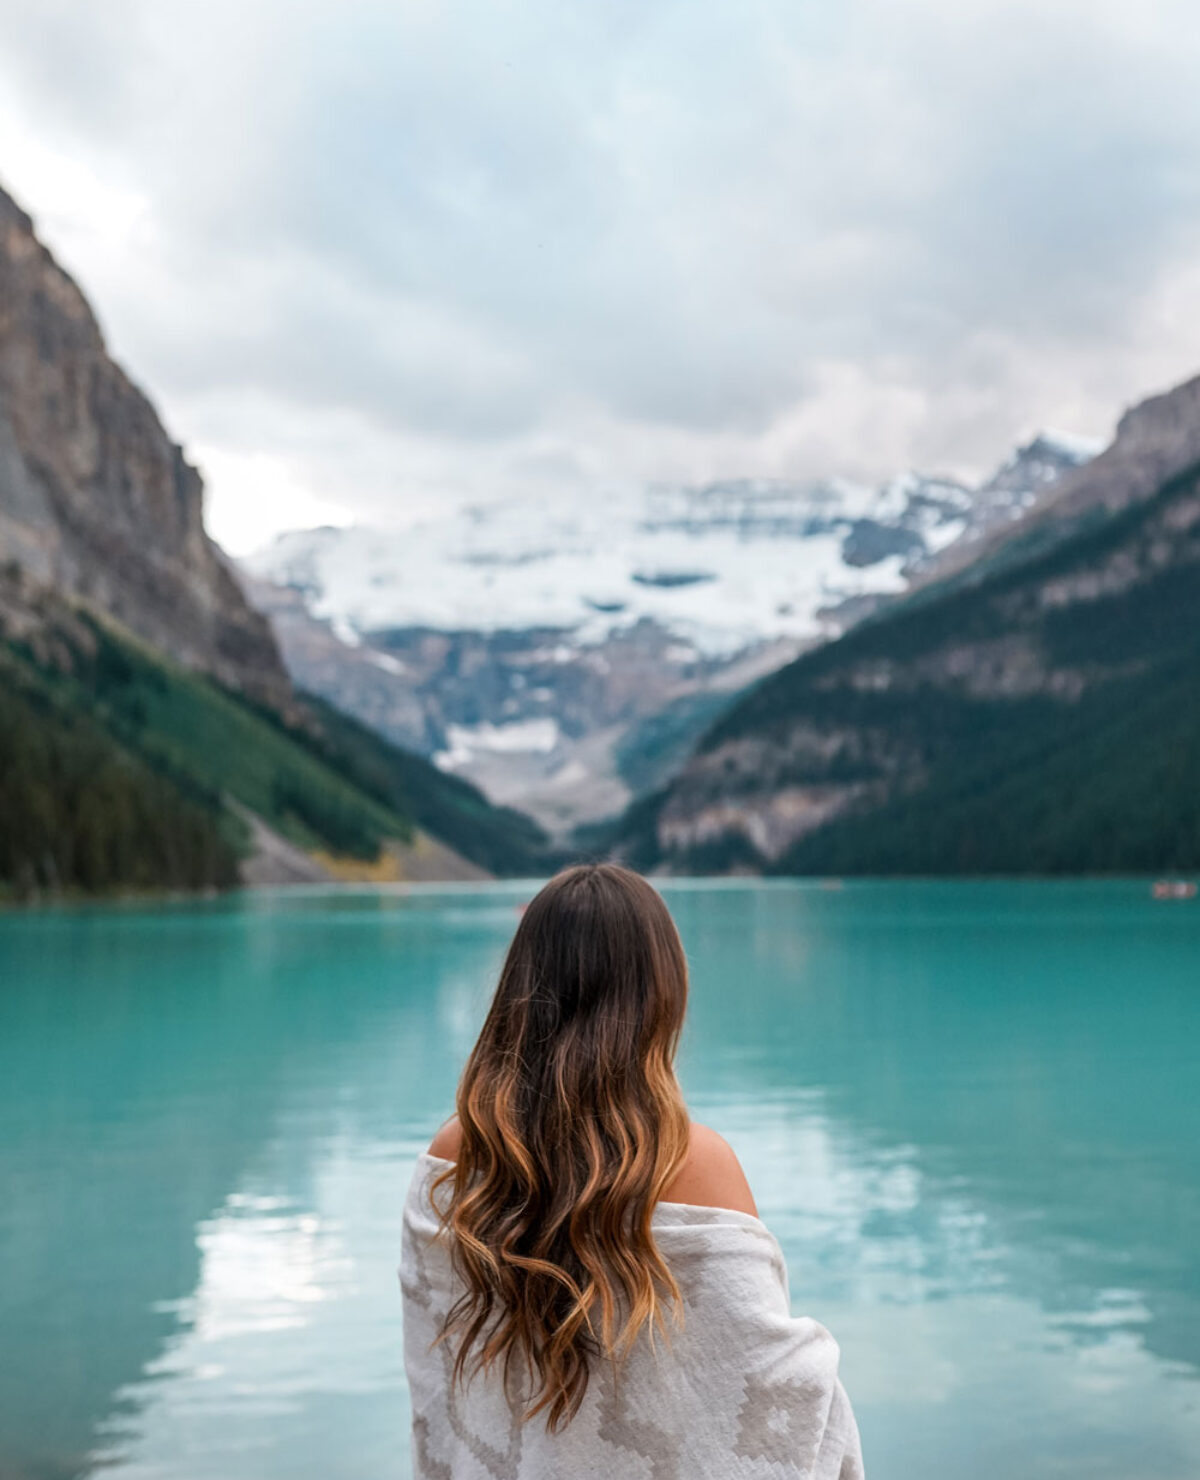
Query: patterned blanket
{"x": 744, "y": 1389}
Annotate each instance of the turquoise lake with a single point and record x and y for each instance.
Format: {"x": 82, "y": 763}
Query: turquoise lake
{"x": 969, "y": 1111}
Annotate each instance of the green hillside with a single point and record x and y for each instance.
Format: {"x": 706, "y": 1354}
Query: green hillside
{"x": 80, "y": 812}
{"x": 499, "y": 839}
{"x": 116, "y": 766}
{"x": 1043, "y": 718}
{"x": 1108, "y": 786}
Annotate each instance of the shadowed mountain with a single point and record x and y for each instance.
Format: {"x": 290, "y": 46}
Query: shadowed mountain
{"x": 1039, "y": 711}
{"x": 149, "y": 735}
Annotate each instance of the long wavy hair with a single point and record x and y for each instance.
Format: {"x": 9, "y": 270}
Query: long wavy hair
{"x": 573, "y": 1126}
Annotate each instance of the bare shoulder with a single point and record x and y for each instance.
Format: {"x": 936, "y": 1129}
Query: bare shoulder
{"x": 447, "y": 1141}
{"x": 711, "y": 1176}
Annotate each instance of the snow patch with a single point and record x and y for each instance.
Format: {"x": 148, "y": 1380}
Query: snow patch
{"x": 522, "y": 737}
{"x": 389, "y": 664}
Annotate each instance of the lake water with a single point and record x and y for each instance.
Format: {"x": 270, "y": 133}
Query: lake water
{"x": 968, "y": 1111}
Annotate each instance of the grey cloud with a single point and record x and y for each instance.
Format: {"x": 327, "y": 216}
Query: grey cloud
{"x": 466, "y": 224}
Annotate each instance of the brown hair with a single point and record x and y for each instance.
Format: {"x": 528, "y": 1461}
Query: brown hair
{"x": 573, "y": 1125}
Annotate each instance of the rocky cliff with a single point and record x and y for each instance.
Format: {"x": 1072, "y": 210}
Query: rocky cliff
{"x": 149, "y": 735}
{"x": 1155, "y": 440}
{"x": 1041, "y": 712}
{"x": 97, "y": 503}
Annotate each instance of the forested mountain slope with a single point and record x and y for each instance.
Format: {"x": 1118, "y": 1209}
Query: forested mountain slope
{"x": 1041, "y": 714}
{"x": 149, "y": 735}
{"x": 121, "y": 769}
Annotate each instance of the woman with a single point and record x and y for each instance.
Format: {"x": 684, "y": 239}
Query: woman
{"x": 588, "y": 1291}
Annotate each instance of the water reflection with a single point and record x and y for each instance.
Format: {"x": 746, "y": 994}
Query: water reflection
{"x": 154, "y": 1063}
{"x": 967, "y": 1111}
{"x": 996, "y": 1132}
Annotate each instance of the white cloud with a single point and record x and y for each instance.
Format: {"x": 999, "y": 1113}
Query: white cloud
{"x": 254, "y": 495}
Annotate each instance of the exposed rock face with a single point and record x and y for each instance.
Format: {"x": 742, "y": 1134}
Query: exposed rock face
{"x": 96, "y": 502}
{"x": 535, "y": 719}
{"x": 1011, "y": 671}
{"x": 765, "y": 791}
{"x": 1156, "y": 440}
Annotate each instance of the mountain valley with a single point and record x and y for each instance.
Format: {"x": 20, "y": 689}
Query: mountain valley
{"x": 566, "y": 656}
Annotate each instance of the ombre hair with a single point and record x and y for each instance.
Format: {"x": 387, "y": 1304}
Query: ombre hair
{"x": 573, "y": 1126}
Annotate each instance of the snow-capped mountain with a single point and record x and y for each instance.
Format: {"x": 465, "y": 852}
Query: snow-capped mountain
{"x": 1015, "y": 486}
{"x": 721, "y": 566}
{"x": 562, "y": 653}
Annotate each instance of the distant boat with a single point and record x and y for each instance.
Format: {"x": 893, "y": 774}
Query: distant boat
{"x": 1174, "y": 889}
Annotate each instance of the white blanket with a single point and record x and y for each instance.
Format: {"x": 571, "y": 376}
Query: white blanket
{"x": 745, "y": 1389}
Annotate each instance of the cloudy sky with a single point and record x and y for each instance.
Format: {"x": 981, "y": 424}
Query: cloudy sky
{"x": 371, "y": 258}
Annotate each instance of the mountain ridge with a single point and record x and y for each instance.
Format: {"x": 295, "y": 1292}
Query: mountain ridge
{"x": 150, "y": 737}
{"x": 1000, "y": 721}
{"x": 96, "y": 500}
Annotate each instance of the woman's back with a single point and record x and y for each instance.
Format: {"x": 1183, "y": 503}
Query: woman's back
{"x": 588, "y": 1290}
{"x": 741, "y": 1389}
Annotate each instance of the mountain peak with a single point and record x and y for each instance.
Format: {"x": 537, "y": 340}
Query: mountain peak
{"x": 1072, "y": 446}
{"x": 97, "y": 503}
